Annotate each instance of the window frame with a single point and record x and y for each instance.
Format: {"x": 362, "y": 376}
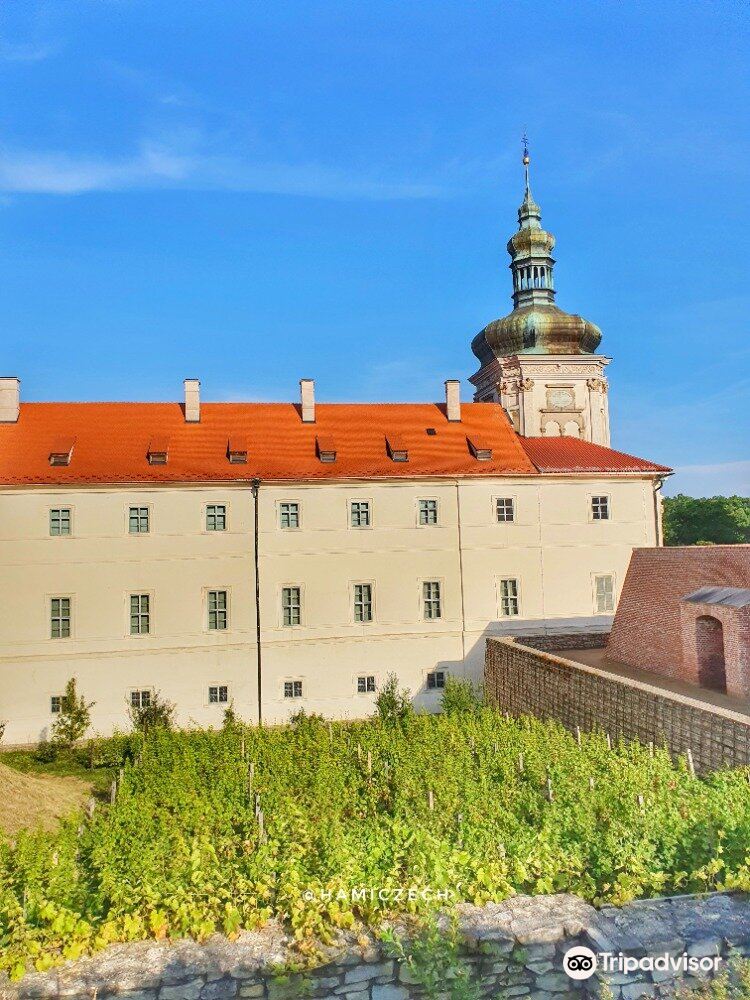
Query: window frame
{"x": 218, "y": 685}
{"x": 366, "y": 678}
{"x": 370, "y": 507}
{"x": 600, "y": 496}
{"x": 294, "y": 681}
{"x": 279, "y": 513}
{"x": 227, "y": 609}
{"x": 52, "y": 711}
{"x": 214, "y": 531}
{"x": 60, "y": 534}
{"x": 423, "y": 599}
{"x": 60, "y": 597}
{"x": 301, "y": 590}
{"x": 149, "y": 516}
{"x": 353, "y": 601}
{"x": 514, "y": 507}
{"x": 129, "y": 613}
{"x": 514, "y": 597}
{"x": 427, "y": 524}
{"x": 140, "y": 691}
{"x": 601, "y": 576}
{"x": 436, "y": 686}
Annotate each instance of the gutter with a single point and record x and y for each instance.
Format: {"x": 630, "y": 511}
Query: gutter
{"x": 255, "y": 487}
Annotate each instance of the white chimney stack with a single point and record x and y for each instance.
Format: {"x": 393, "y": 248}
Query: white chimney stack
{"x": 10, "y": 400}
{"x": 453, "y": 400}
{"x": 192, "y": 400}
{"x": 307, "y": 400}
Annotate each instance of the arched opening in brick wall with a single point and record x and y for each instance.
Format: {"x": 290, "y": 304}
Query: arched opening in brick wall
{"x": 709, "y": 642}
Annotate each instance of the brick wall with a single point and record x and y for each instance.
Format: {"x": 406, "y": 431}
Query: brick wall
{"x": 646, "y": 631}
{"x": 567, "y": 640}
{"x": 525, "y": 681}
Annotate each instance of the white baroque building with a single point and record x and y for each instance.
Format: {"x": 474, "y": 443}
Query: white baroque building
{"x": 292, "y": 555}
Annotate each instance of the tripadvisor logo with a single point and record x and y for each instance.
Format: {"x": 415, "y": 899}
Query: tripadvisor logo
{"x": 579, "y": 962}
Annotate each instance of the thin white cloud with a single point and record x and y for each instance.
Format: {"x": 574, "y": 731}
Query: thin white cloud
{"x": 160, "y": 165}
{"x": 712, "y": 479}
{"x": 26, "y": 52}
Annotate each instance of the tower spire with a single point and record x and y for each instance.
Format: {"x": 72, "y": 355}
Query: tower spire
{"x": 526, "y": 161}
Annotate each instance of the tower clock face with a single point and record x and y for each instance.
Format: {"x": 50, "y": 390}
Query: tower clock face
{"x": 560, "y": 398}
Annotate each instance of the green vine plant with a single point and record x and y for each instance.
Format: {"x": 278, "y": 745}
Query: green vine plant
{"x": 432, "y": 958}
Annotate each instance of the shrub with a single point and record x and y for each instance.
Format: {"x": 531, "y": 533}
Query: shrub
{"x": 157, "y": 714}
{"x": 460, "y": 695}
{"x": 3, "y": 724}
{"x": 393, "y": 705}
{"x": 231, "y": 719}
{"x": 74, "y": 718}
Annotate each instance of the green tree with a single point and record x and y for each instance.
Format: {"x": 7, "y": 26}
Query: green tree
{"x": 460, "y": 695}
{"x": 393, "y": 705}
{"x": 706, "y": 520}
{"x": 157, "y": 714}
{"x": 74, "y": 718}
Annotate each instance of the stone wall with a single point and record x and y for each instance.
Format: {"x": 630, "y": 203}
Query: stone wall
{"x": 513, "y": 949}
{"x": 525, "y": 681}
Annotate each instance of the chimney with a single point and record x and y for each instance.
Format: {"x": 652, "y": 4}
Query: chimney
{"x": 192, "y": 400}
{"x": 453, "y": 400}
{"x": 307, "y": 400}
{"x": 10, "y": 400}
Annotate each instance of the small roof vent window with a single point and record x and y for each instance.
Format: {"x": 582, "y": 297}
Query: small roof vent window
{"x": 158, "y": 451}
{"x": 431, "y": 431}
{"x": 61, "y": 451}
{"x": 397, "y": 450}
{"x": 237, "y": 451}
{"x": 326, "y": 449}
{"x": 480, "y": 448}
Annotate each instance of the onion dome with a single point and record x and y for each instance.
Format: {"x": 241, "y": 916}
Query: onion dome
{"x": 536, "y": 325}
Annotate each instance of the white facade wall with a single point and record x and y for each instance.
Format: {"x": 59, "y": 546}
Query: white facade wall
{"x": 553, "y": 549}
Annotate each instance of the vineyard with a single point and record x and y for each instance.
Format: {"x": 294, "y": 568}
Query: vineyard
{"x": 221, "y": 830}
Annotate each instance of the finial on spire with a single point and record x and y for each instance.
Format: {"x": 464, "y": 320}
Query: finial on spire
{"x": 526, "y": 159}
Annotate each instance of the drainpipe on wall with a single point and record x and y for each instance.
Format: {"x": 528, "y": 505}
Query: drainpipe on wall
{"x": 658, "y": 483}
{"x": 255, "y": 487}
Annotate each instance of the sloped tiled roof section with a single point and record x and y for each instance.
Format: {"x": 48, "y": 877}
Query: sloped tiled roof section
{"x": 564, "y": 454}
{"x": 112, "y": 441}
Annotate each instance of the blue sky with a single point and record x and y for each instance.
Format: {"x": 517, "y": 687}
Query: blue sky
{"x": 251, "y": 193}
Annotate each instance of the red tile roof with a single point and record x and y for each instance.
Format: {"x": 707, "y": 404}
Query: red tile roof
{"x": 112, "y": 439}
{"x": 565, "y": 454}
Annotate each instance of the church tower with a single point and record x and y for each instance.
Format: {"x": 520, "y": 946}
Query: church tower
{"x": 539, "y": 361}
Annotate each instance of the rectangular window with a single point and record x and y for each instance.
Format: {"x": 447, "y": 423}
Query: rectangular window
{"x": 600, "y": 508}
{"x": 138, "y": 518}
{"x": 431, "y": 600}
{"x": 140, "y": 699}
{"x": 428, "y": 512}
{"x": 289, "y": 515}
{"x": 218, "y": 694}
{"x": 291, "y": 605}
{"x": 216, "y": 517}
{"x": 359, "y": 512}
{"x": 505, "y": 509}
{"x": 292, "y": 689}
{"x": 509, "y": 598}
{"x": 60, "y": 617}
{"x": 436, "y": 680}
{"x": 55, "y": 704}
{"x": 605, "y": 594}
{"x": 363, "y": 602}
{"x": 140, "y": 614}
{"x": 59, "y": 521}
{"x": 217, "y": 610}
{"x": 366, "y": 684}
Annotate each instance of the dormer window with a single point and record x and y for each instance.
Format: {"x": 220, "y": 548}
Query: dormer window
{"x": 158, "y": 451}
{"x": 326, "y": 449}
{"x": 397, "y": 450}
{"x": 480, "y": 448}
{"x": 237, "y": 451}
{"x": 61, "y": 451}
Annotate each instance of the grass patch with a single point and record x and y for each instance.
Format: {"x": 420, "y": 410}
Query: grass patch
{"x": 68, "y": 764}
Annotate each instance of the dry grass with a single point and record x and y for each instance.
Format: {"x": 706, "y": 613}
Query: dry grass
{"x": 28, "y": 800}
